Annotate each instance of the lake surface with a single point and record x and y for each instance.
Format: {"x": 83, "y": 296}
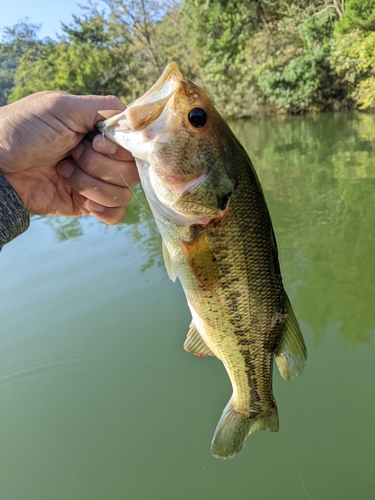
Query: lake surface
{"x": 98, "y": 399}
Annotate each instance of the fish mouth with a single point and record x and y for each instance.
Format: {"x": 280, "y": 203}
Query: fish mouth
{"x": 144, "y": 112}
{"x": 163, "y": 87}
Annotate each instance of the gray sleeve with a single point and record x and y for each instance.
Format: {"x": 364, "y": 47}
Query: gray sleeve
{"x": 14, "y": 218}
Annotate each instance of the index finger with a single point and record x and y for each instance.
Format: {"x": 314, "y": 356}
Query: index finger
{"x": 103, "y": 145}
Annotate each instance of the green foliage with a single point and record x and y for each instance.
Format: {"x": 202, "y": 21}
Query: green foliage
{"x": 365, "y": 94}
{"x": 353, "y": 58}
{"x": 220, "y": 32}
{"x": 17, "y": 40}
{"x": 224, "y": 72}
{"x": 358, "y": 14}
{"x": 8, "y": 68}
{"x": 251, "y": 56}
{"x": 302, "y": 84}
{"x": 84, "y": 61}
{"x": 119, "y": 50}
{"x": 302, "y": 79}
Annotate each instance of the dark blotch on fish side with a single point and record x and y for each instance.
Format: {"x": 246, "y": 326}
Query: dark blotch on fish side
{"x": 222, "y": 201}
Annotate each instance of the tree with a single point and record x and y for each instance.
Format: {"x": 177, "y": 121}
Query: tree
{"x": 251, "y": 56}
{"x": 120, "y": 49}
{"x": 8, "y": 68}
{"x": 86, "y": 59}
{"x": 17, "y": 41}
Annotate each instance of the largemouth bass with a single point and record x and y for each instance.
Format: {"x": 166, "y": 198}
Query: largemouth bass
{"x": 218, "y": 239}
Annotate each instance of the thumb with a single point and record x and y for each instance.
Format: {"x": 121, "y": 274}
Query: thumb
{"x": 83, "y": 112}
{"x": 108, "y": 113}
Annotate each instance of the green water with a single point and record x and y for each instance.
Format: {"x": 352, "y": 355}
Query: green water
{"x": 99, "y": 401}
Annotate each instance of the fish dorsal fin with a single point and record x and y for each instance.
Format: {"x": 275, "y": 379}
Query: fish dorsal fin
{"x": 201, "y": 261}
{"x": 168, "y": 263}
{"x": 195, "y": 344}
{"x": 291, "y": 352}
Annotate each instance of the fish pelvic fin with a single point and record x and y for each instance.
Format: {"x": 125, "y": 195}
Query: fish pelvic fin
{"x": 291, "y": 353}
{"x": 234, "y": 428}
{"x": 168, "y": 263}
{"x": 195, "y": 344}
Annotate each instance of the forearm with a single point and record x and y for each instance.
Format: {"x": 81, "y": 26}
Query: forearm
{"x": 14, "y": 218}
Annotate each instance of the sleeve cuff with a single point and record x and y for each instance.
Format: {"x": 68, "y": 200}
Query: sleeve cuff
{"x": 14, "y": 217}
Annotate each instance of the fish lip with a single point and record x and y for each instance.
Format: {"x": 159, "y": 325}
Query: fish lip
{"x": 171, "y": 72}
{"x": 160, "y": 91}
{"x": 104, "y": 125}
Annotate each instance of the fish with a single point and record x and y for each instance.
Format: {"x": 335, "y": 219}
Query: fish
{"x": 218, "y": 239}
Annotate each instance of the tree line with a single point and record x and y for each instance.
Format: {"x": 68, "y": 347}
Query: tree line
{"x": 251, "y": 56}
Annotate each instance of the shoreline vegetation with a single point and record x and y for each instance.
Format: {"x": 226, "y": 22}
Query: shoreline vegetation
{"x": 252, "y": 57}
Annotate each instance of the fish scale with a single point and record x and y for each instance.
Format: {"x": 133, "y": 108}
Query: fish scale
{"x": 218, "y": 240}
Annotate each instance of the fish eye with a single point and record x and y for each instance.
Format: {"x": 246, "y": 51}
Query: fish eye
{"x": 197, "y": 117}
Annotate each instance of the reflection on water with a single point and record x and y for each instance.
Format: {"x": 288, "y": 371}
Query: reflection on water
{"x": 100, "y": 401}
{"x": 139, "y": 219}
{"x": 65, "y": 227}
{"x": 319, "y": 177}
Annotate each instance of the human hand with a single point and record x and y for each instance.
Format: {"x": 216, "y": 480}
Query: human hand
{"x": 55, "y": 167}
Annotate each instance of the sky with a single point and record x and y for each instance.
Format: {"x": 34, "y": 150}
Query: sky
{"x": 48, "y": 13}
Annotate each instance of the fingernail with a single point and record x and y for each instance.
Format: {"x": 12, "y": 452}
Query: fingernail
{"x": 105, "y": 145}
{"x": 128, "y": 156}
{"x": 95, "y": 207}
{"x": 78, "y": 150}
{"x": 65, "y": 169}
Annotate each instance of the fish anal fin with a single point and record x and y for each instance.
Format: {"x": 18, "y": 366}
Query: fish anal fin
{"x": 195, "y": 344}
{"x": 291, "y": 353}
{"x": 168, "y": 263}
{"x": 201, "y": 261}
{"x": 234, "y": 428}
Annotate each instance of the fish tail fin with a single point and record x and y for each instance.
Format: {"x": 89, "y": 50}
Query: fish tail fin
{"x": 234, "y": 428}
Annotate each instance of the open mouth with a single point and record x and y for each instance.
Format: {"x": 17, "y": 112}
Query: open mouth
{"x": 146, "y": 109}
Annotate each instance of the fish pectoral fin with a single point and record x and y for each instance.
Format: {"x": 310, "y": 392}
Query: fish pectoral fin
{"x": 234, "y": 428}
{"x": 168, "y": 263}
{"x": 291, "y": 353}
{"x": 195, "y": 344}
{"x": 202, "y": 261}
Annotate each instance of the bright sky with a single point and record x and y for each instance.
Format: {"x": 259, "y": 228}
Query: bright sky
{"x": 48, "y": 13}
